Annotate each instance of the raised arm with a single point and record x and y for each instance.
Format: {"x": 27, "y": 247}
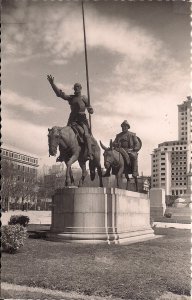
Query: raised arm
{"x": 58, "y": 92}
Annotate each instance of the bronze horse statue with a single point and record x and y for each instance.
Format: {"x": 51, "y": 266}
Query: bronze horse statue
{"x": 71, "y": 151}
{"x": 115, "y": 160}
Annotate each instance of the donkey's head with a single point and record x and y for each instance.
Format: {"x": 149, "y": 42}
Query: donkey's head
{"x": 108, "y": 155}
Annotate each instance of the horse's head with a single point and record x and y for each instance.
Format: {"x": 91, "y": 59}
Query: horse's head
{"x": 108, "y": 155}
{"x": 53, "y": 140}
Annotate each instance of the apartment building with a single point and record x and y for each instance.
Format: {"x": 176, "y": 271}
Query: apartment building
{"x": 171, "y": 161}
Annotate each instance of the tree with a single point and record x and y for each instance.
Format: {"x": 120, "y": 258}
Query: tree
{"x": 17, "y": 182}
{"x": 27, "y": 188}
{"x": 8, "y": 174}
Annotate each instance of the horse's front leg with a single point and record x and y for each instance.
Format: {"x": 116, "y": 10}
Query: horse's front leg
{"x": 99, "y": 171}
{"x": 71, "y": 176}
{"x": 136, "y": 183}
{"x": 127, "y": 177}
{"x": 84, "y": 173}
{"x": 73, "y": 159}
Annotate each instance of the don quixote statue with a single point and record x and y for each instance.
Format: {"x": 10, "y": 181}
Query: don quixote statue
{"x": 75, "y": 140}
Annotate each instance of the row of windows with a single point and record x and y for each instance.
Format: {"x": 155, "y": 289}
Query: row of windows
{"x": 24, "y": 168}
{"x": 181, "y": 183}
{"x": 181, "y": 173}
{"x": 180, "y": 178}
{"x": 177, "y": 192}
{"x": 181, "y": 162}
{"x": 179, "y": 152}
{"x": 24, "y": 179}
{"x": 178, "y": 157}
{"x": 183, "y": 167}
{"x": 180, "y": 168}
{"x": 19, "y": 156}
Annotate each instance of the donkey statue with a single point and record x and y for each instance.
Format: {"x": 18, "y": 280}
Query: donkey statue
{"x": 120, "y": 163}
{"x": 71, "y": 150}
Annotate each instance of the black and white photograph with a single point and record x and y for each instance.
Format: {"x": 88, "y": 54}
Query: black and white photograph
{"x": 96, "y": 149}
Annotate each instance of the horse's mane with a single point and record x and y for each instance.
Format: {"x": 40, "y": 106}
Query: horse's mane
{"x": 67, "y": 134}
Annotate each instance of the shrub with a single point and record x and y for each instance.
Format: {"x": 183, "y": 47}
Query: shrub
{"x": 13, "y": 237}
{"x": 19, "y": 219}
{"x": 167, "y": 215}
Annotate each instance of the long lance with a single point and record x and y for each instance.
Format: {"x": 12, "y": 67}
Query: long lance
{"x": 86, "y": 62}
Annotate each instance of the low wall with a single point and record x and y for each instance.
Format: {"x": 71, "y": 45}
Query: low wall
{"x": 96, "y": 215}
{"x": 157, "y": 202}
{"x": 36, "y": 217}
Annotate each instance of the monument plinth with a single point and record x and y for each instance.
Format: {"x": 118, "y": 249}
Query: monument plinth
{"x": 100, "y": 215}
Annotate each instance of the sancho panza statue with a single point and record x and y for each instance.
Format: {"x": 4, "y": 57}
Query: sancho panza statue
{"x": 78, "y": 104}
{"x": 122, "y": 155}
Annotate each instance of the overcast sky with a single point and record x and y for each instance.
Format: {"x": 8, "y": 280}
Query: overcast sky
{"x": 139, "y": 69}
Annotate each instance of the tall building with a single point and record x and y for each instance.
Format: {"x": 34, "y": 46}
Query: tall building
{"x": 171, "y": 161}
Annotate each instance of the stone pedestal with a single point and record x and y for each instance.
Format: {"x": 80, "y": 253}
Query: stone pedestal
{"x": 157, "y": 202}
{"x": 100, "y": 215}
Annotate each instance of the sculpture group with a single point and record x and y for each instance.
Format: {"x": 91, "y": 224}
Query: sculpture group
{"x": 76, "y": 143}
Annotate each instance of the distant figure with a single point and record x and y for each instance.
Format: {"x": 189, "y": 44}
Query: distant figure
{"x": 78, "y": 104}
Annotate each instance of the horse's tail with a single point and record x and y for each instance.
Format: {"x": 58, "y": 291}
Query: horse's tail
{"x": 92, "y": 169}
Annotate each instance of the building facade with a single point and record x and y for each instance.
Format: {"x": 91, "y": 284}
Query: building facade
{"x": 171, "y": 161}
{"x": 19, "y": 176}
{"x": 24, "y": 162}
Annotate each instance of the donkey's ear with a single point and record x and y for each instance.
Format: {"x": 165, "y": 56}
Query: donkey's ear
{"x": 49, "y": 129}
{"x": 102, "y": 146}
{"x": 111, "y": 144}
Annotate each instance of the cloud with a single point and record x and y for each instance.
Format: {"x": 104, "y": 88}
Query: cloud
{"x": 12, "y": 99}
{"x": 60, "y": 32}
{"x": 24, "y": 135}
